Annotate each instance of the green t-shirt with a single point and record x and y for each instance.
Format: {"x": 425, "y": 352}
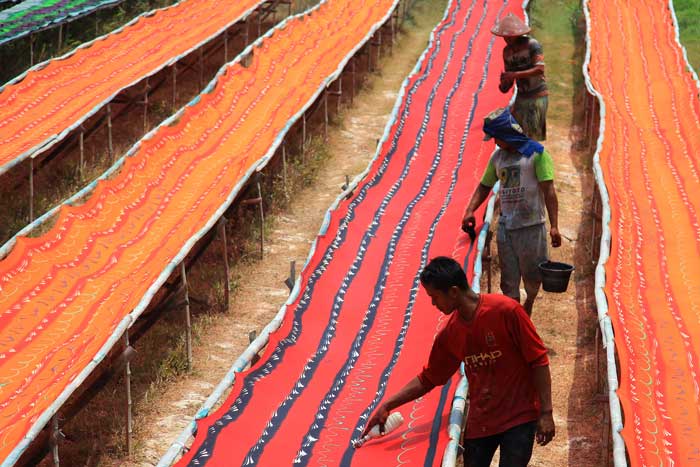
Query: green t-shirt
{"x": 522, "y": 202}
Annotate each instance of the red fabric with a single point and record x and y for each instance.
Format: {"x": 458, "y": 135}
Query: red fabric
{"x": 499, "y": 347}
{"x": 362, "y": 325}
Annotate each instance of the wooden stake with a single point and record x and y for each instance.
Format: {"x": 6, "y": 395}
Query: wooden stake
{"x": 226, "y": 46}
{"x": 352, "y": 88}
{"x": 127, "y": 380}
{"x": 110, "y": 149}
{"x": 188, "y": 319}
{"x": 174, "y": 85}
{"x": 60, "y": 37}
{"x": 201, "y": 68}
{"x": 31, "y": 189}
{"x": 227, "y": 288}
{"x": 303, "y": 136}
{"x": 145, "y": 107}
{"x": 53, "y": 440}
{"x": 284, "y": 170}
{"x": 82, "y": 153}
{"x": 262, "y": 224}
{"x": 325, "y": 114}
{"x": 31, "y": 49}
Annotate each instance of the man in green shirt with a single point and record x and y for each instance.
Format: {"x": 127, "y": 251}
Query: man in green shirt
{"x": 526, "y": 174}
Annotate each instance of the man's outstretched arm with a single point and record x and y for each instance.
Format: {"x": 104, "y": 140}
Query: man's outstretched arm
{"x": 542, "y": 379}
{"x": 480, "y": 194}
{"x": 411, "y": 391}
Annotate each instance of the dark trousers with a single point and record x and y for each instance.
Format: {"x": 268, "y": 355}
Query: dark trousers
{"x": 516, "y": 447}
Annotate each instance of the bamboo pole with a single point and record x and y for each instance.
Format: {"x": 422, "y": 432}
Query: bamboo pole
{"x": 262, "y": 223}
{"x": 55, "y": 433}
{"x": 174, "y": 85}
{"x": 81, "y": 162}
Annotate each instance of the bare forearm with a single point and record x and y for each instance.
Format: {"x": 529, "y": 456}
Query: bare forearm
{"x": 543, "y": 385}
{"x": 479, "y": 196}
{"x": 411, "y": 391}
{"x": 552, "y": 203}
{"x": 534, "y": 71}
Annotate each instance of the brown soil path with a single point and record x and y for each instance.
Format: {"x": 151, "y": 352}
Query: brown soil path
{"x": 260, "y": 292}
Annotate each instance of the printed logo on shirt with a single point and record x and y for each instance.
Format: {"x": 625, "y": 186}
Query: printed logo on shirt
{"x": 482, "y": 359}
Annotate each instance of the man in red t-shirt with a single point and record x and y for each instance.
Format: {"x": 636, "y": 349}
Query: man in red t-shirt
{"x": 505, "y": 362}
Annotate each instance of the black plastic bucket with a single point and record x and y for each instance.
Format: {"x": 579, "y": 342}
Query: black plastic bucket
{"x": 555, "y": 276}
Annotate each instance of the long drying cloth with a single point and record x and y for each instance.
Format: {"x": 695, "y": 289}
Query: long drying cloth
{"x": 362, "y": 327}
{"x": 650, "y": 157}
{"x": 38, "y": 109}
{"x": 68, "y": 295}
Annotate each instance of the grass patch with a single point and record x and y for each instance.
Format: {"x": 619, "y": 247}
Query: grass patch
{"x": 559, "y": 26}
{"x": 688, "y": 14}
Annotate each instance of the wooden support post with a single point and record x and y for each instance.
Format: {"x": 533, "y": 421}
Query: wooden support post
{"x": 246, "y": 37}
{"x": 379, "y": 46}
{"x": 369, "y": 56}
{"x": 201, "y": 68}
{"x": 284, "y": 170}
{"x": 352, "y": 87}
{"x": 227, "y": 287}
{"x": 393, "y": 35}
{"x": 145, "y": 107}
{"x": 188, "y": 319}
{"x": 259, "y": 24}
{"x": 592, "y": 123}
{"x": 339, "y": 94}
{"x": 53, "y": 440}
{"x": 325, "y": 114}
{"x": 60, "y": 38}
{"x": 110, "y": 148}
{"x": 31, "y": 189}
{"x": 262, "y": 224}
{"x": 226, "y": 46}
{"x": 31, "y": 49}
{"x": 174, "y": 86}
{"x": 81, "y": 167}
{"x": 303, "y": 136}
{"x": 291, "y": 280}
{"x": 127, "y": 382}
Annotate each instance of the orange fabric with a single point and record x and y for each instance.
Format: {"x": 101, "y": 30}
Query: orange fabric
{"x": 63, "y": 294}
{"x": 50, "y": 100}
{"x": 651, "y": 164}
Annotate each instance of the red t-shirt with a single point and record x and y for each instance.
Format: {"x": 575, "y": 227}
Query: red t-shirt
{"x": 499, "y": 348}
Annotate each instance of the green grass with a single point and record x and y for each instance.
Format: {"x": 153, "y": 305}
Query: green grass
{"x": 688, "y": 13}
{"x": 558, "y": 26}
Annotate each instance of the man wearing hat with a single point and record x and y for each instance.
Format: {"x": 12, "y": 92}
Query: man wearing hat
{"x": 526, "y": 174}
{"x": 524, "y": 64}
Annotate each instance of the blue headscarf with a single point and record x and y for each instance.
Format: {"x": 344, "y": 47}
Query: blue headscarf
{"x": 500, "y": 124}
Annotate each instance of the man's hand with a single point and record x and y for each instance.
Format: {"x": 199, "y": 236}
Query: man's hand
{"x": 379, "y": 418}
{"x": 468, "y": 221}
{"x": 556, "y": 237}
{"x": 506, "y": 81}
{"x": 545, "y": 428}
{"x": 507, "y": 76}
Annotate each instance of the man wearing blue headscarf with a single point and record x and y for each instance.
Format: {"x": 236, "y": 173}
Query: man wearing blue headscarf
{"x": 526, "y": 174}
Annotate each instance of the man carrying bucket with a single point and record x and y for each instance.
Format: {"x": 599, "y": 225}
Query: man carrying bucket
{"x": 524, "y": 64}
{"x": 526, "y": 174}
